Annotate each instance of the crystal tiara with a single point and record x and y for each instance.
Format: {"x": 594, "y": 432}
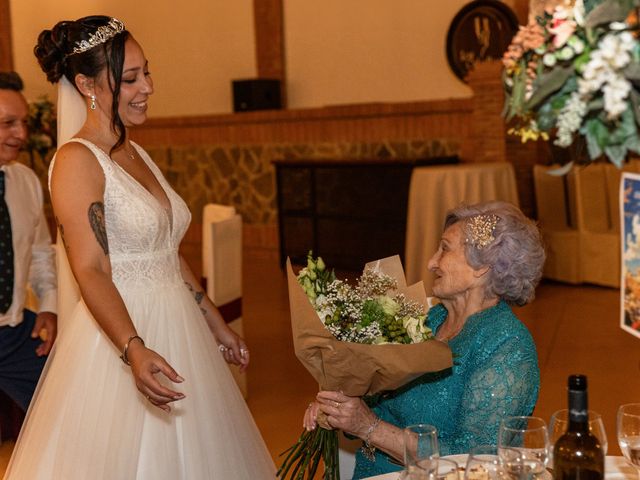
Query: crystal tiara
{"x": 101, "y": 35}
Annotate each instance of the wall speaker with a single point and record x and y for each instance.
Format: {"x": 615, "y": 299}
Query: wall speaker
{"x": 256, "y": 94}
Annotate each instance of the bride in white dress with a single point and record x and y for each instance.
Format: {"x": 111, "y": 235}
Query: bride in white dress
{"x": 137, "y": 386}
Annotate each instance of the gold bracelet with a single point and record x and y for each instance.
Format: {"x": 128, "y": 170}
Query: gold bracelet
{"x": 125, "y": 350}
{"x": 367, "y": 449}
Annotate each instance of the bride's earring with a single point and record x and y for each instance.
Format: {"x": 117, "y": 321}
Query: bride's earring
{"x": 93, "y": 102}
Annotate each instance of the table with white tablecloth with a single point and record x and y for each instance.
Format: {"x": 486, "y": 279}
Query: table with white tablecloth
{"x": 616, "y": 468}
{"x": 434, "y": 191}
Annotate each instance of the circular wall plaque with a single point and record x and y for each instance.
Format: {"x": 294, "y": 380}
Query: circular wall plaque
{"x": 481, "y": 30}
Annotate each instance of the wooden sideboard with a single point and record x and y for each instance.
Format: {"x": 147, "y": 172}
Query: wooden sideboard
{"x": 348, "y": 212}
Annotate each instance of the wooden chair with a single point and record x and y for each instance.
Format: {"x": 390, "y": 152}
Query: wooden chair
{"x": 560, "y": 236}
{"x": 579, "y": 216}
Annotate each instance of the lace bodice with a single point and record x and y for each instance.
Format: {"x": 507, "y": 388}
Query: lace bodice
{"x": 495, "y": 374}
{"x": 143, "y": 237}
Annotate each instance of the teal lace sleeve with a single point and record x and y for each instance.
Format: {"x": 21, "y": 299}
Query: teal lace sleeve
{"x": 495, "y": 374}
{"x": 505, "y": 384}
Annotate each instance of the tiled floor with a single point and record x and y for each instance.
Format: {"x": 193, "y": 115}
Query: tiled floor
{"x": 575, "y": 328}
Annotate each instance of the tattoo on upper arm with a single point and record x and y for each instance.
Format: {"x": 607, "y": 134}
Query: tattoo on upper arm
{"x": 97, "y": 222}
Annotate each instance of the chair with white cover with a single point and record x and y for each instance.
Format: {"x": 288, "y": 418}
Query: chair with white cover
{"x": 347, "y": 449}
{"x": 222, "y": 268}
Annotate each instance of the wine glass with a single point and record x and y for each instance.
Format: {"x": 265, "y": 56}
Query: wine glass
{"x": 528, "y": 436}
{"x": 484, "y": 462}
{"x": 420, "y": 451}
{"x": 445, "y": 469}
{"x": 629, "y": 433}
{"x": 560, "y": 422}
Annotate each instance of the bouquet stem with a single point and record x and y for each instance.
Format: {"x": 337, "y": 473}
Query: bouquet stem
{"x": 305, "y": 455}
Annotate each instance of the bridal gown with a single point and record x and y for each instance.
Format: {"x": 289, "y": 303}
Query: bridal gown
{"x": 87, "y": 419}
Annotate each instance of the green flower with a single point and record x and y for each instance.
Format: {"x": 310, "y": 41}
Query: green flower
{"x": 389, "y": 305}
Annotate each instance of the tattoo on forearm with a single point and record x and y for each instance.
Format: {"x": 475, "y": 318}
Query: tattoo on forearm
{"x": 96, "y": 220}
{"x": 198, "y": 295}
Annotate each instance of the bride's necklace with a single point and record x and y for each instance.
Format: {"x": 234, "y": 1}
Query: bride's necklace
{"x": 129, "y": 153}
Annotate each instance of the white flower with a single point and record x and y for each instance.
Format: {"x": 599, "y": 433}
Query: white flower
{"x": 549, "y": 59}
{"x": 617, "y": 26}
{"x": 413, "y": 327}
{"x": 614, "y": 49}
{"x": 566, "y": 53}
{"x": 560, "y": 13}
{"x": 578, "y": 12}
{"x": 577, "y": 44}
{"x": 570, "y": 119}
{"x": 389, "y": 306}
{"x": 615, "y": 96}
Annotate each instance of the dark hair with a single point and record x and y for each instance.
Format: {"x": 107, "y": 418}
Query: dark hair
{"x": 54, "y": 52}
{"x": 11, "y": 81}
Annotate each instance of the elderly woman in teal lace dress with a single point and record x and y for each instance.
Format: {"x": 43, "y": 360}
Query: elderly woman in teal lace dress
{"x": 490, "y": 257}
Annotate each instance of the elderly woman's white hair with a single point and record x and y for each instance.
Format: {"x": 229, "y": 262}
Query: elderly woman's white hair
{"x": 513, "y": 251}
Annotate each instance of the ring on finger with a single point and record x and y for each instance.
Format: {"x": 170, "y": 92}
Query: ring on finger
{"x": 336, "y": 404}
{"x": 222, "y": 348}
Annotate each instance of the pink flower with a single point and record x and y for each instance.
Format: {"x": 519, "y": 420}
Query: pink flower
{"x": 561, "y": 29}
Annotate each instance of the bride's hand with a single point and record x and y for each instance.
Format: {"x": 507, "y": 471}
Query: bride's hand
{"x": 233, "y": 348}
{"x": 145, "y": 363}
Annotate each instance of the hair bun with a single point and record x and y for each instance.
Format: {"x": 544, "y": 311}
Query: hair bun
{"x": 51, "y": 51}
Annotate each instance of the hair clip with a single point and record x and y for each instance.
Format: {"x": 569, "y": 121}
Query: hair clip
{"x": 481, "y": 228}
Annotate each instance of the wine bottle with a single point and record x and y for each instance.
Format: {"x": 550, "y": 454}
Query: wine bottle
{"x": 577, "y": 454}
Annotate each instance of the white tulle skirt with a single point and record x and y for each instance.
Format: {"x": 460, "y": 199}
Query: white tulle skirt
{"x": 88, "y": 420}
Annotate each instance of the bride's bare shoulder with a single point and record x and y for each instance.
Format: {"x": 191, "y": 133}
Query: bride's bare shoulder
{"x": 74, "y": 151}
{"x": 75, "y": 160}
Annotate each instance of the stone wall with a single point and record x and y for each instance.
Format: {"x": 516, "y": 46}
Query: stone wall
{"x": 244, "y": 176}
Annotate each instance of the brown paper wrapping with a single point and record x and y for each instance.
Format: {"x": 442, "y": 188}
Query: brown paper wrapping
{"x": 358, "y": 369}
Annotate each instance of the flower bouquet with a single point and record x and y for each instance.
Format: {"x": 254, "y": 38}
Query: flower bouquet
{"x": 570, "y": 73}
{"x": 360, "y": 339}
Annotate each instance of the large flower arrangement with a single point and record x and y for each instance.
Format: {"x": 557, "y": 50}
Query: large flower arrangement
{"x": 41, "y": 124}
{"x": 570, "y": 73}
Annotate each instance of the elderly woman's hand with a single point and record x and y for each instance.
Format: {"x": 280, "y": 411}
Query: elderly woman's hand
{"x": 309, "y": 421}
{"x": 349, "y": 414}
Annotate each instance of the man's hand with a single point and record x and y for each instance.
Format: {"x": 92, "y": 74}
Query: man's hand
{"x": 46, "y": 327}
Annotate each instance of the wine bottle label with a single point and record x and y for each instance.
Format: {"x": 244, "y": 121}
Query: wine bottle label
{"x": 578, "y": 415}
{"x": 578, "y": 411}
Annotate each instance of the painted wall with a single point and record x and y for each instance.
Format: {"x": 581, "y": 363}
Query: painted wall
{"x": 194, "y": 50}
{"x": 337, "y": 51}
{"x": 370, "y": 51}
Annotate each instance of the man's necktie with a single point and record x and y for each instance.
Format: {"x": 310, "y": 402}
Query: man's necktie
{"x": 6, "y": 252}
